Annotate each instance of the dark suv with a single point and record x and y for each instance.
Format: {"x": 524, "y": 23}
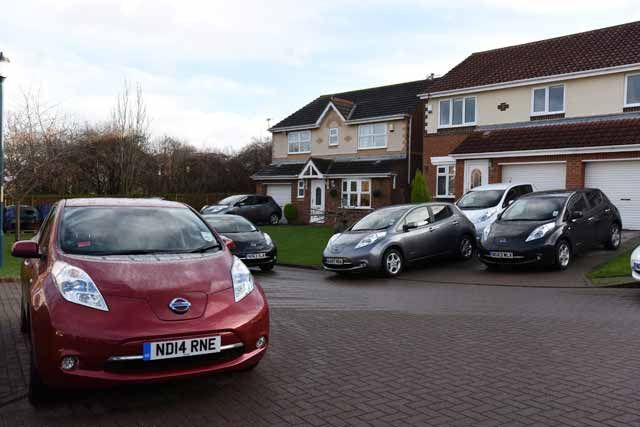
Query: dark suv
{"x": 256, "y": 208}
{"x": 550, "y": 227}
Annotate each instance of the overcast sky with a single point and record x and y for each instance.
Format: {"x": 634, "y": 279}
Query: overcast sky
{"x": 213, "y": 71}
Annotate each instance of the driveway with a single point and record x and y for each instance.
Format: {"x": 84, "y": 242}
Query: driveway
{"x": 386, "y": 353}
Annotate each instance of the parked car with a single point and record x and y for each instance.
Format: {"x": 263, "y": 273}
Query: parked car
{"x": 635, "y": 263}
{"x": 254, "y": 207}
{"x": 29, "y": 218}
{"x": 122, "y": 291}
{"x": 388, "y": 238}
{"x": 483, "y": 204}
{"x": 254, "y": 247}
{"x": 550, "y": 227}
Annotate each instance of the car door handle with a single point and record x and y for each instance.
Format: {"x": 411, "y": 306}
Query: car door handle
{"x": 624, "y": 199}
{"x": 455, "y": 223}
{"x": 607, "y": 210}
{"x": 591, "y": 218}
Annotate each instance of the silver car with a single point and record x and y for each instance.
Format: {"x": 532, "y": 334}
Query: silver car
{"x": 389, "y": 238}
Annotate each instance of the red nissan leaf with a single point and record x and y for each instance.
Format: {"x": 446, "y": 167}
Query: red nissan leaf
{"x": 118, "y": 291}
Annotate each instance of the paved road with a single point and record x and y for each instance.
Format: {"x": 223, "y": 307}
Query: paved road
{"x": 372, "y": 351}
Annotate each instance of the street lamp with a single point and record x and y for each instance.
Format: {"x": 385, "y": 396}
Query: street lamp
{"x": 4, "y": 65}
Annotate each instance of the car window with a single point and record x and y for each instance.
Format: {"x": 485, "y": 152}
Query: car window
{"x": 441, "y": 212}
{"x": 512, "y": 195}
{"x": 231, "y": 200}
{"x": 419, "y": 217}
{"x": 261, "y": 200}
{"x": 534, "y": 209}
{"x": 229, "y": 223}
{"x": 44, "y": 234}
{"x": 578, "y": 203}
{"x": 380, "y": 219}
{"x": 480, "y": 199}
{"x": 595, "y": 198}
{"x": 249, "y": 201}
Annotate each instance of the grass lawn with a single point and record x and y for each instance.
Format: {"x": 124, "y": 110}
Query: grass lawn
{"x": 11, "y": 267}
{"x": 618, "y": 266}
{"x": 300, "y": 244}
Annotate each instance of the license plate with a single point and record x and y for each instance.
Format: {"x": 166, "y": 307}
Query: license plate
{"x": 335, "y": 261}
{"x": 256, "y": 256}
{"x": 501, "y": 254}
{"x": 181, "y": 348}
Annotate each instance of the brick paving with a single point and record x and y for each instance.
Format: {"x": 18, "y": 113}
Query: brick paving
{"x": 387, "y": 353}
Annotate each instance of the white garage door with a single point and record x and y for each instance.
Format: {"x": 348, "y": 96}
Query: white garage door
{"x": 544, "y": 176}
{"x": 281, "y": 193}
{"x": 620, "y": 181}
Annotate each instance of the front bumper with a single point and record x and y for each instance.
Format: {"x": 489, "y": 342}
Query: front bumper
{"x": 109, "y": 345}
{"x": 366, "y": 258}
{"x": 522, "y": 254}
{"x": 270, "y": 257}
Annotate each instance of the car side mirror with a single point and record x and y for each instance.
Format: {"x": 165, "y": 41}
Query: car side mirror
{"x": 409, "y": 226}
{"x": 25, "y": 249}
{"x": 577, "y": 214}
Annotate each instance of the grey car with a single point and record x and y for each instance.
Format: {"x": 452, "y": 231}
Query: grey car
{"x": 257, "y": 208}
{"x": 389, "y": 238}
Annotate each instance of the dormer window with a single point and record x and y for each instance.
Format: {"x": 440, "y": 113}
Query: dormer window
{"x": 547, "y": 100}
{"x": 458, "y": 112}
{"x": 632, "y": 90}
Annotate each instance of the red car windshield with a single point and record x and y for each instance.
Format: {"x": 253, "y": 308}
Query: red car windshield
{"x": 133, "y": 230}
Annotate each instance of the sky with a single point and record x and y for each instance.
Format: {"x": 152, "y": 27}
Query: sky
{"x": 212, "y": 72}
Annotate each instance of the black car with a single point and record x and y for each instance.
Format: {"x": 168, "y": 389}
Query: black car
{"x": 252, "y": 246}
{"x": 549, "y": 227}
{"x": 254, "y": 207}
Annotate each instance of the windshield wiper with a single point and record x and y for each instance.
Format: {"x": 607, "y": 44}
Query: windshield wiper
{"x": 130, "y": 252}
{"x": 204, "y": 248}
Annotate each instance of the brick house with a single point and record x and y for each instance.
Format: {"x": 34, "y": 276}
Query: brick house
{"x": 345, "y": 154}
{"x": 560, "y": 113}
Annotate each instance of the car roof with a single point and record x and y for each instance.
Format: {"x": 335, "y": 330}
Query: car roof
{"x": 552, "y": 193}
{"x": 499, "y": 186}
{"x": 122, "y": 201}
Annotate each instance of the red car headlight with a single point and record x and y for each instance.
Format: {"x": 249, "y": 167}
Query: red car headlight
{"x": 76, "y": 286}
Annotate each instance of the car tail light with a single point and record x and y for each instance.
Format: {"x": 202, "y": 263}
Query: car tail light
{"x": 229, "y": 243}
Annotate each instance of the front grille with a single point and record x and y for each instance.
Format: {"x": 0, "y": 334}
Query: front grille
{"x": 142, "y": 366}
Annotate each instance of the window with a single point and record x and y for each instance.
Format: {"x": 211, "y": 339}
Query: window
{"x": 579, "y": 203}
{"x": 372, "y": 136}
{"x": 632, "y": 90}
{"x": 356, "y": 193}
{"x": 441, "y": 212}
{"x": 333, "y": 136}
{"x": 418, "y": 217}
{"x": 299, "y": 142}
{"x": 515, "y": 193}
{"x": 300, "y": 188}
{"x": 547, "y": 100}
{"x": 595, "y": 198}
{"x": 318, "y": 198}
{"x": 444, "y": 182}
{"x": 458, "y": 112}
{"x": 476, "y": 178}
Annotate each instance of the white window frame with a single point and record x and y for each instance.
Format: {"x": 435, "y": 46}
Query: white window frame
{"x": 546, "y": 111}
{"x": 358, "y": 191}
{"x": 336, "y": 136}
{"x": 445, "y": 174}
{"x": 464, "y": 107}
{"x": 299, "y": 141}
{"x": 373, "y": 135}
{"x": 626, "y": 84}
{"x": 300, "y": 189}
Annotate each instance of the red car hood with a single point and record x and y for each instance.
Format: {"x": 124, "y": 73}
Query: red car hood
{"x": 159, "y": 279}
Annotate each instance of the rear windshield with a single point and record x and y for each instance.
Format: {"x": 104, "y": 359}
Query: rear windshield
{"x": 231, "y": 200}
{"x": 381, "y": 219}
{"x": 534, "y": 209}
{"x": 480, "y": 199}
{"x": 133, "y": 230}
{"x": 229, "y": 224}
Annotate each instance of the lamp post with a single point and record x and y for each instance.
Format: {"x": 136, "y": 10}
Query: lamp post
{"x": 4, "y": 62}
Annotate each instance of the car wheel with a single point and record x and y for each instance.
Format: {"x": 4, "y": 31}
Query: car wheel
{"x": 38, "y": 391}
{"x": 466, "y": 248}
{"x": 392, "y": 262}
{"x": 267, "y": 267}
{"x": 615, "y": 237}
{"x": 274, "y": 219}
{"x": 563, "y": 255}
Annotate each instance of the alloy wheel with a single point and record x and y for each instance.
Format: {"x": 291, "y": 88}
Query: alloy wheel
{"x": 564, "y": 255}
{"x": 393, "y": 263}
{"x": 273, "y": 219}
{"x": 614, "y": 236}
{"x": 466, "y": 248}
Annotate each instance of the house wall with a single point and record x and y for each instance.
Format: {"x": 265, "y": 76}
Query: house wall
{"x": 587, "y": 96}
{"x": 436, "y": 145}
{"x": 348, "y": 137}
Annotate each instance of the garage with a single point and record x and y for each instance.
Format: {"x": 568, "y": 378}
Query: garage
{"x": 620, "y": 181}
{"x": 281, "y": 193}
{"x": 544, "y": 176}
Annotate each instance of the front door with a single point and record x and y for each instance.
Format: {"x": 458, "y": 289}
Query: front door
{"x": 316, "y": 214}
{"x": 476, "y": 173}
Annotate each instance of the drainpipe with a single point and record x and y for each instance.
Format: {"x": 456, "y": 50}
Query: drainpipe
{"x": 410, "y": 142}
